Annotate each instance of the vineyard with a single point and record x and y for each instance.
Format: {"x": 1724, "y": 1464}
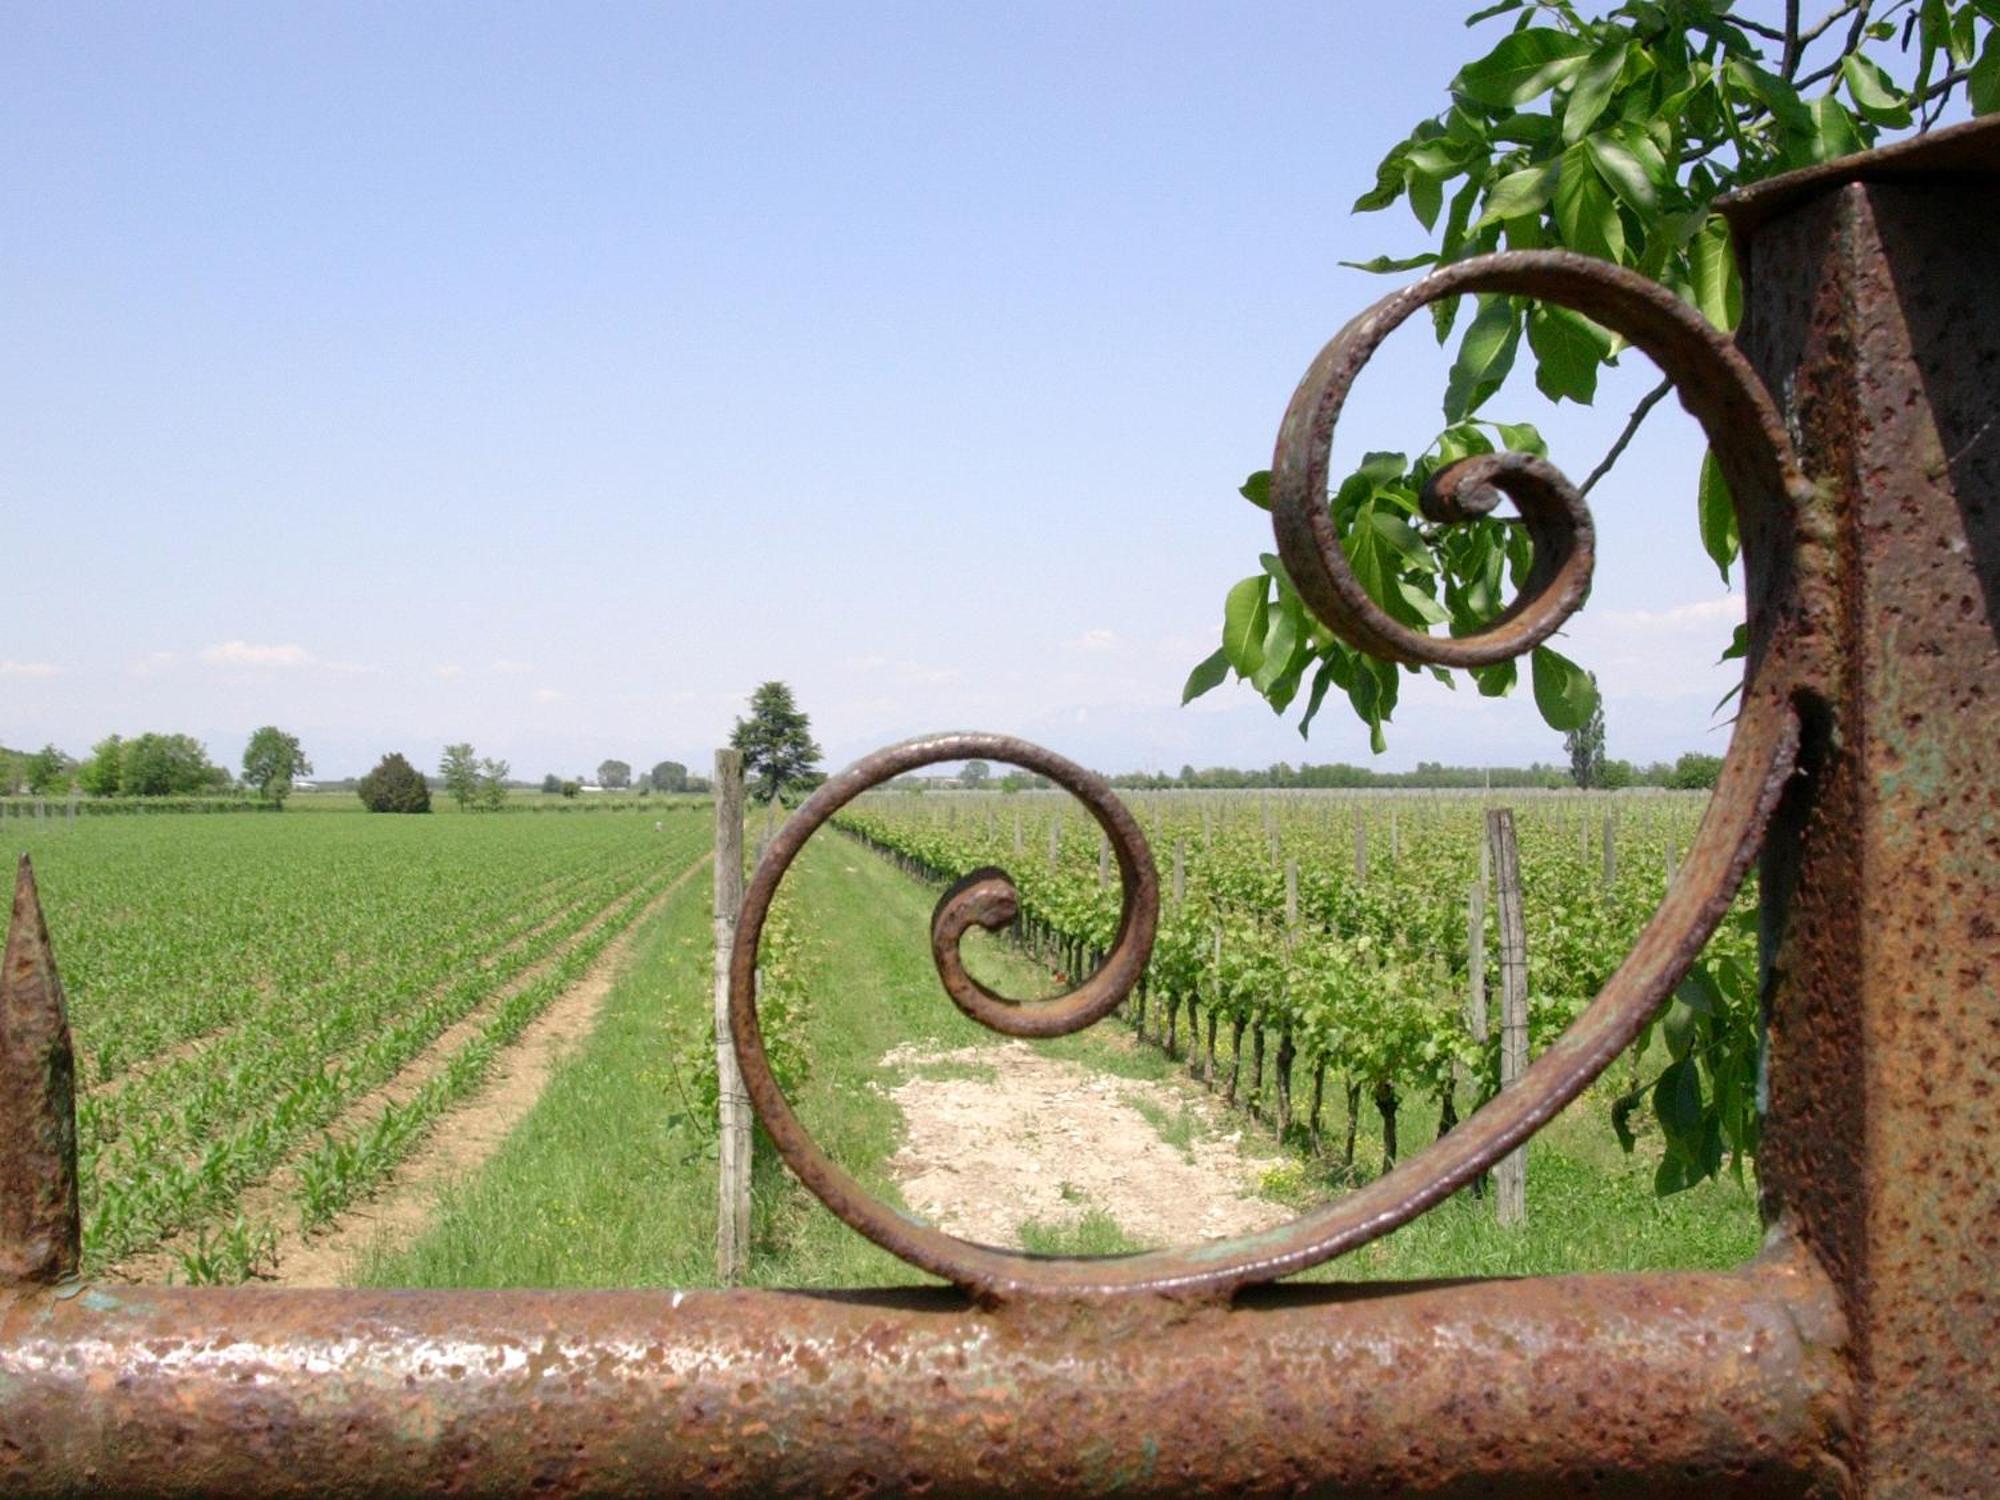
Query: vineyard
{"x": 270, "y": 1013}
{"x": 1316, "y": 951}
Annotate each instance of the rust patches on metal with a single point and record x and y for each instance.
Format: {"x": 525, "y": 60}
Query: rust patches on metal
{"x": 40, "y": 1232}
{"x": 1731, "y": 1385}
{"x": 1872, "y": 305}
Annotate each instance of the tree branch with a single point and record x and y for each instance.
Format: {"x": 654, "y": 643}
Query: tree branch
{"x": 1647, "y": 402}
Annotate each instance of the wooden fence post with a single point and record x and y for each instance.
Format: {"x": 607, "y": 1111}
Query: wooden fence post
{"x": 732, "y": 1220}
{"x": 1610, "y": 853}
{"x": 1180, "y": 873}
{"x": 1511, "y": 1176}
{"x": 1291, "y": 896}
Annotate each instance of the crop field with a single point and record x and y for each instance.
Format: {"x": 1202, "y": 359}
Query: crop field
{"x": 270, "y": 1013}
{"x": 1350, "y": 988}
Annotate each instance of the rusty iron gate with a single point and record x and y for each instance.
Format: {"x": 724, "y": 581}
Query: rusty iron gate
{"x": 1857, "y": 420}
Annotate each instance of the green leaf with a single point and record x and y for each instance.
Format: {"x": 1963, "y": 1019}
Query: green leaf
{"x": 1585, "y": 213}
{"x": 1389, "y": 178}
{"x": 1678, "y": 1029}
{"x": 1624, "y": 173}
{"x": 1426, "y": 197}
{"x": 1833, "y": 134}
{"x": 1281, "y": 638}
{"x": 1245, "y": 618}
{"x": 1699, "y": 993}
{"x": 1206, "y": 675}
{"x": 1568, "y": 350}
{"x": 1496, "y": 681}
{"x": 1717, "y": 516}
{"x": 1421, "y": 604}
{"x": 1982, "y": 87}
{"x": 1677, "y": 1100}
{"x": 1524, "y": 192}
{"x": 1718, "y": 291}
{"x": 1257, "y": 489}
{"x": 1776, "y": 95}
{"x": 1595, "y": 81}
{"x": 1485, "y": 355}
{"x": 1874, "y": 95}
{"x": 1522, "y": 437}
{"x": 1384, "y": 263}
{"x": 1564, "y": 692}
{"x": 1322, "y": 679}
{"x": 1525, "y": 64}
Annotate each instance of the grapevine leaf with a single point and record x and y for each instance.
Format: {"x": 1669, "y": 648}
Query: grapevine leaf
{"x": 1564, "y": 692}
{"x": 1207, "y": 674}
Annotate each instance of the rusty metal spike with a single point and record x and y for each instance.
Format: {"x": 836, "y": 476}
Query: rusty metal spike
{"x": 40, "y": 1228}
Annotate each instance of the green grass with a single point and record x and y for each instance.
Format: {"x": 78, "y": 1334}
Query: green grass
{"x": 608, "y": 1183}
{"x": 1096, "y": 1233}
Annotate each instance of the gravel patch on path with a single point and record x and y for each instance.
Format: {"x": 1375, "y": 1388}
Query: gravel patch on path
{"x": 1003, "y": 1135}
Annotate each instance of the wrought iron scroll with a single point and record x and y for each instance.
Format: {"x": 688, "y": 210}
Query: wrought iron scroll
{"x": 1749, "y": 441}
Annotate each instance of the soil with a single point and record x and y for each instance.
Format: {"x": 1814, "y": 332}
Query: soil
{"x": 1000, "y": 1135}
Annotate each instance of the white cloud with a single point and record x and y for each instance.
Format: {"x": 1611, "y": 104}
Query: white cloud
{"x": 547, "y": 695}
{"x": 246, "y": 654}
{"x": 1725, "y": 610}
{"x": 1095, "y": 640}
{"x": 508, "y": 667}
{"x": 28, "y": 669}
{"x": 450, "y": 669}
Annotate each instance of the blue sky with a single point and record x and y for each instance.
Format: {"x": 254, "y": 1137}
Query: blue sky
{"x": 547, "y": 377}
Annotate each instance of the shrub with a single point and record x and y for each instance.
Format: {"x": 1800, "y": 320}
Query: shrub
{"x": 394, "y": 786}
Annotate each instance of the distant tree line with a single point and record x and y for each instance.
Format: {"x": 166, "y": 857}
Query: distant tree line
{"x": 1692, "y": 772}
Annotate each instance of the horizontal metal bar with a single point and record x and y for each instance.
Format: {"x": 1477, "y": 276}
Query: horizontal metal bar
{"x": 1669, "y": 1383}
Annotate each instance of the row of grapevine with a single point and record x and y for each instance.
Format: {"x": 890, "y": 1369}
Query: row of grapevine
{"x": 1325, "y": 937}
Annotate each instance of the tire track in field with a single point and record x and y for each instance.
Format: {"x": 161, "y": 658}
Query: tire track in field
{"x": 484, "y": 1117}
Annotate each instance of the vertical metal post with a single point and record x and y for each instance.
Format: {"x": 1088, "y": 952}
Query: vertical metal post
{"x": 1872, "y": 311}
{"x": 40, "y": 1232}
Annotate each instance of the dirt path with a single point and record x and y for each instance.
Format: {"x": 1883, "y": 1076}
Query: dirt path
{"x": 467, "y": 1138}
{"x": 1000, "y": 1135}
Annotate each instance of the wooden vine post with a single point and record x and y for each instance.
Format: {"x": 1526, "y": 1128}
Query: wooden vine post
{"x": 1510, "y": 1178}
{"x": 732, "y": 1220}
